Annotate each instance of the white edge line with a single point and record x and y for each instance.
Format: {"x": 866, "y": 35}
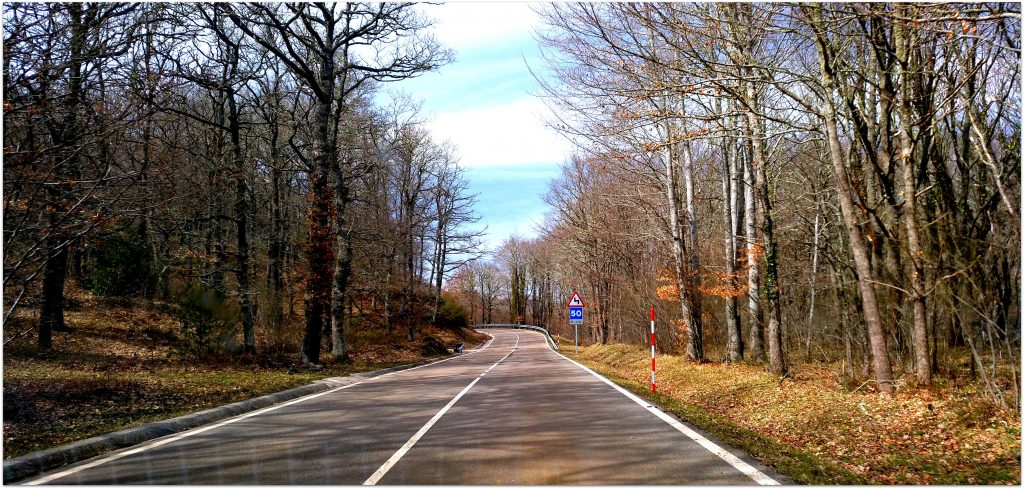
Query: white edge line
{"x": 431, "y": 364}
{"x": 196, "y": 431}
{"x": 747, "y": 469}
{"x": 485, "y": 344}
{"x": 383, "y": 469}
{"x": 186, "y": 434}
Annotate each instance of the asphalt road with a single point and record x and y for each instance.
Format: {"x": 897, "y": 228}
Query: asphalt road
{"x": 511, "y": 413}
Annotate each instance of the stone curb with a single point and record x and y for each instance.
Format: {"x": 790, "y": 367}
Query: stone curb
{"x": 25, "y": 466}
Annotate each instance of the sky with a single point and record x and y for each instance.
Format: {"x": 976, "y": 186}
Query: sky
{"x": 485, "y": 104}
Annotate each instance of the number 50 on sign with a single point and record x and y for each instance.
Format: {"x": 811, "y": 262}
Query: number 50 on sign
{"x": 575, "y": 315}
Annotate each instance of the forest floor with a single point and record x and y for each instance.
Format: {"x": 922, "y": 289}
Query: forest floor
{"x": 811, "y": 428}
{"x": 122, "y": 366}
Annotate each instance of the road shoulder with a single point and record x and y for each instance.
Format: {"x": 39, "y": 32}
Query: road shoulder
{"x": 655, "y": 403}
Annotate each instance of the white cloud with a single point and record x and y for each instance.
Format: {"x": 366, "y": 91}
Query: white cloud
{"x": 471, "y": 25}
{"x": 481, "y": 103}
{"x": 502, "y": 135}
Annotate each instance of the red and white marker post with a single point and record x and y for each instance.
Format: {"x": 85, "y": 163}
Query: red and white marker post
{"x": 654, "y": 385}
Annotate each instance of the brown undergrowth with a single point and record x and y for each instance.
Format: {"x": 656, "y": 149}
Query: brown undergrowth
{"x": 808, "y": 422}
{"x": 122, "y": 365}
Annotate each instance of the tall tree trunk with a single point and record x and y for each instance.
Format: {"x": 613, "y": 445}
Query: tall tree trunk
{"x": 776, "y": 355}
{"x": 387, "y": 305}
{"x": 442, "y": 256}
{"x": 755, "y": 319}
{"x": 409, "y": 308}
{"x": 696, "y": 344}
{"x": 484, "y": 319}
{"x": 68, "y": 138}
{"x": 342, "y": 269}
{"x": 145, "y": 237}
{"x": 858, "y": 247}
{"x": 859, "y": 250}
{"x": 342, "y": 274}
{"x": 814, "y": 272}
{"x": 603, "y": 300}
{"x": 435, "y": 286}
{"x": 317, "y": 294}
{"x": 275, "y": 250}
{"x": 904, "y": 48}
{"x": 691, "y": 217}
{"x": 865, "y": 278}
{"x": 319, "y": 253}
{"x": 694, "y": 341}
{"x": 729, "y": 200}
{"x": 241, "y": 224}
{"x": 216, "y": 236}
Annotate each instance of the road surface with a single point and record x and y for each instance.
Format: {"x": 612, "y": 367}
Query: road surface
{"x": 513, "y": 413}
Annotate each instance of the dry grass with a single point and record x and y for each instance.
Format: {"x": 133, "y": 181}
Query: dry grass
{"x": 950, "y": 435}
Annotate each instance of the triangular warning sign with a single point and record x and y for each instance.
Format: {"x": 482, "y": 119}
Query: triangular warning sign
{"x": 575, "y": 301}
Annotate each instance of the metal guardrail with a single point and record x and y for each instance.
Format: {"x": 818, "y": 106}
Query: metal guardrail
{"x": 519, "y": 326}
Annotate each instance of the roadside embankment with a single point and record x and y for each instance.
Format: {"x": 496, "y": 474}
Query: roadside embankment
{"x": 808, "y": 427}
